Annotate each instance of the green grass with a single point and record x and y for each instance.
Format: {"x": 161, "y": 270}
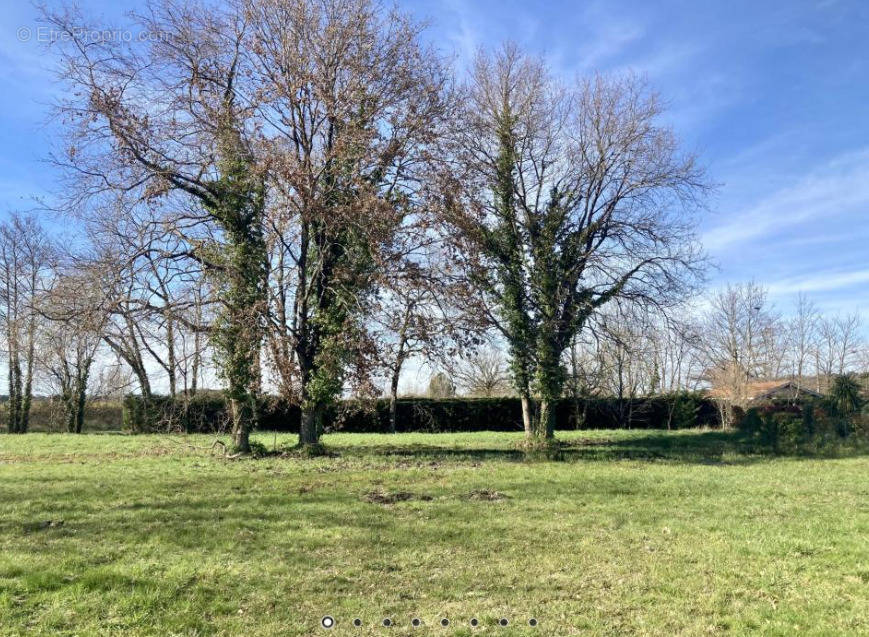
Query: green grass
{"x": 648, "y": 533}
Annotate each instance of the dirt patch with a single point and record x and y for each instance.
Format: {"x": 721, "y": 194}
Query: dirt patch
{"x": 487, "y": 495}
{"x": 32, "y": 527}
{"x": 587, "y": 442}
{"x": 381, "y": 496}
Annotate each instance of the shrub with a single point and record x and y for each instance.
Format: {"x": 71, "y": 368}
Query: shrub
{"x": 843, "y": 427}
{"x": 769, "y": 431}
{"x": 258, "y": 449}
{"x": 687, "y": 410}
{"x": 814, "y": 427}
{"x": 751, "y": 424}
{"x": 790, "y": 430}
{"x": 809, "y": 419}
{"x": 737, "y": 414}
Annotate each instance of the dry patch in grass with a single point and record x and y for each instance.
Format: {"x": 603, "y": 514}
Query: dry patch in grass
{"x": 379, "y": 496}
{"x": 488, "y": 495}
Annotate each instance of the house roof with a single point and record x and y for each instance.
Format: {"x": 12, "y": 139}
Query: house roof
{"x": 760, "y": 390}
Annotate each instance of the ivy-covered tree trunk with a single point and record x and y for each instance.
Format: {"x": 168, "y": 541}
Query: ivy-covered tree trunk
{"x": 15, "y": 385}
{"x": 238, "y": 206}
{"x": 243, "y": 415}
{"x": 14, "y": 395}
{"x": 527, "y": 415}
{"x": 546, "y": 420}
{"x": 335, "y": 268}
{"x": 239, "y": 333}
{"x": 80, "y": 401}
{"x": 74, "y": 393}
{"x": 393, "y": 402}
{"x": 311, "y": 421}
{"x": 27, "y": 397}
{"x": 549, "y": 380}
{"x": 69, "y": 410}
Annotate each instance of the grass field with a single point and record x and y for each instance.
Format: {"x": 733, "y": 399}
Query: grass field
{"x": 647, "y": 533}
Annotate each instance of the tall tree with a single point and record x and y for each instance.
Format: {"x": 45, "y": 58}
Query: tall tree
{"x": 25, "y": 259}
{"x": 560, "y": 200}
{"x": 351, "y": 103}
{"x": 737, "y": 346}
{"x": 803, "y": 327}
{"x": 161, "y": 120}
{"x": 838, "y": 345}
{"x": 75, "y": 307}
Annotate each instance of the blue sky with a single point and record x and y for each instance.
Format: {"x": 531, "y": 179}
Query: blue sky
{"x": 773, "y": 95}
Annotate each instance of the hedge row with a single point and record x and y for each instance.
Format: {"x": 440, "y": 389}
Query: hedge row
{"x": 47, "y": 415}
{"x": 209, "y": 414}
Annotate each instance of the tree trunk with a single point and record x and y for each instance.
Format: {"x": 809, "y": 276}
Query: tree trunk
{"x": 171, "y": 363}
{"x": 13, "y": 399}
{"x": 27, "y": 397}
{"x": 79, "y": 409}
{"x": 70, "y": 418}
{"x": 15, "y": 391}
{"x": 393, "y": 400}
{"x": 527, "y": 416}
{"x": 309, "y": 430}
{"x": 545, "y": 429}
{"x": 144, "y": 382}
{"x": 69, "y": 409}
{"x": 242, "y": 417}
{"x": 194, "y": 371}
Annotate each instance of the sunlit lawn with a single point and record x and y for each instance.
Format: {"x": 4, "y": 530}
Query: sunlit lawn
{"x": 650, "y": 533}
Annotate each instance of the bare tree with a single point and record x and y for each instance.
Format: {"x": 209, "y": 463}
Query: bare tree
{"x": 158, "y": 315}
{"x": 803, "y": 328}
{"x": 75, "y": 307}
{"x": 25, "y": 258}
{"x": 838, "y": 346}
{"x": 441, "y": 386}
{"x": 160, "y": 120}
{"x": 484, "y": 372}
{"x": 407, "y": 322}
{"x": 738, "y": 345}
{"x": 560, "y": 200}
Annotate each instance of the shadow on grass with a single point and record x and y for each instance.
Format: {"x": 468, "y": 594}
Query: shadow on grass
{"x": 707, "y": 447}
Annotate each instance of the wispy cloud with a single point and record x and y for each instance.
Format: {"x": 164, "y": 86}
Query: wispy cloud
{"x": 841, "y": 187}
{"x": 464, "y": 37}
{"x": 819, "y": 282}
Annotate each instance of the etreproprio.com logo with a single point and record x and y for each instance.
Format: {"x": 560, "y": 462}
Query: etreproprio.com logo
{"x": 89, "y": 35}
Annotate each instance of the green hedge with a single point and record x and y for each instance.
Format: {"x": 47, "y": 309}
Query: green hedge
{"x": 208, "y": 414}
{"x": 203, "y": 413}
